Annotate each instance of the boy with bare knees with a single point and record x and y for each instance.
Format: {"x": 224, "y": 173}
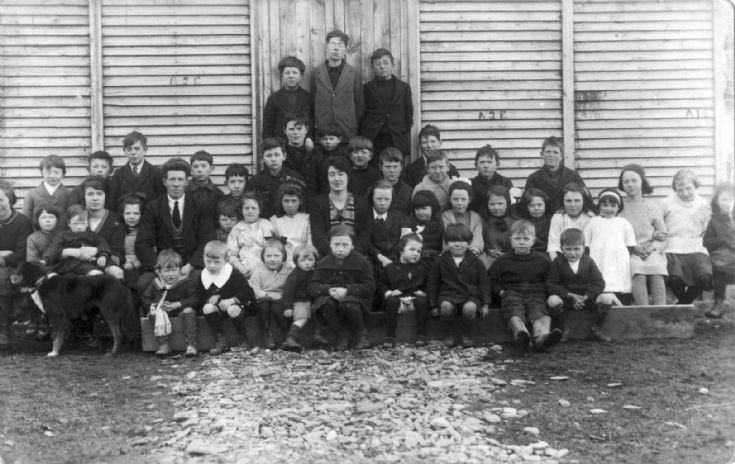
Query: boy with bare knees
{"x": 575, "y": 282}
{"x": 176, "y": 295}
{"x": 520, "y": 279}
{"x": 226, "y": 294}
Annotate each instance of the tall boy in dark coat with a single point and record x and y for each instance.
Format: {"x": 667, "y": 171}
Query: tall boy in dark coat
{"x": 388, "y": 107}
{"x": 137, "y": 176}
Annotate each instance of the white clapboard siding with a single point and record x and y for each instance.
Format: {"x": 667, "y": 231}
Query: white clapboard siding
{"x": 644, "y": 74}
{"x": 491, "y": 74}
{"x": 179, "y": 72}
{"x": 44, "y": 88}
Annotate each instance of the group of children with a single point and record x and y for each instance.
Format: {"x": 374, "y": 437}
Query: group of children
{"x": 332, "y": 230}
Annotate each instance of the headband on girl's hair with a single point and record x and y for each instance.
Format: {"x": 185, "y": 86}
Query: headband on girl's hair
{"x": 609, "y": 193}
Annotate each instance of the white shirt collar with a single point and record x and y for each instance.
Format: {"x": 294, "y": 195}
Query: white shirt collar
{"x": 377, "y": 216}
{"x": 219, "y": 280}
{"x": 51, "y": 189}
{"x": 181, "y": 204}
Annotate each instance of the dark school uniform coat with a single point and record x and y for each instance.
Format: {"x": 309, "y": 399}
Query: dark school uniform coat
{"x": 397, "y": 114}
{"x": 457, "y": 284}
{"x": 156, "y": 232}
{"x": 354, "y": 273}
{"x": 543, "y": 179}
{"x": 587, "y": 281}
{"x": 343, "y": 105}
{"x": 148, "y": 184}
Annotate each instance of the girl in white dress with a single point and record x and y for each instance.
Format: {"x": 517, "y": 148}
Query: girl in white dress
{"x": 247, "y": 238}
{"x": 290, "y": 220}
{"x": 611, "y": 240}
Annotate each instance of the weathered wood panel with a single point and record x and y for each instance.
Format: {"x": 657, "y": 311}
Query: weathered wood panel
{"x": 44, "y": 88}
{"x": 180, "y": 73}
{"x": 644, "y": 90}
{"x": 491, "y": 73}
{"x": 299, "y": 28}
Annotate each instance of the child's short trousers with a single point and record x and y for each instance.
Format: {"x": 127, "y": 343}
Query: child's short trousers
{"x": 528, "y": 308}
{"x": 688, "y": 267}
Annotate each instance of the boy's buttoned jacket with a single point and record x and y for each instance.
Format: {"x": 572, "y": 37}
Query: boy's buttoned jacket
{"x": 148, "y": 184}
{"x": 396, "y": 113}
{"x": 354, "y": 273}
{"x": 457, "y": 284}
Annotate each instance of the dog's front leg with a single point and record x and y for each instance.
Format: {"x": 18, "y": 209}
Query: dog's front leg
{"x": 116, "y": 335}
{"x": 58, "y": 329}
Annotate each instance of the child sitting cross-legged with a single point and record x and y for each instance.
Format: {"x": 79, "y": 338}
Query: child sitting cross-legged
{"x": 403, "y": 289}
{"x": 458, "y": 287}
{"x": 176, "y": 295}
{"x": 267, "y": 281}
{"x": 342, "y": 287}
{"x": 519, "y": 277}
{"x": 226, "y": 294}
{"x": 574, "y": 282}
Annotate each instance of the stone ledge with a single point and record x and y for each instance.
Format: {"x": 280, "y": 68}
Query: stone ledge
{"x": 623, "y": 323}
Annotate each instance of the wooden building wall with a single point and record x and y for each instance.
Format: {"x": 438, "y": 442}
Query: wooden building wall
{"x": 620, "y": 80}
{"x": 44, "y": 87}
{"x": 300, "y": 27}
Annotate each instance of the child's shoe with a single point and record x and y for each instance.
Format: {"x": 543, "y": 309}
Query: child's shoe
{"x": 343, "y": 342}
{"x": 565, "y": 335}
{"x": 522, "y": 342}
{"x": 220, "y": 346}
{"x": 191, "y": 351}
{"x": 363, "y": 341}
{"x": 163, "y": 348}
{"x": 599, "y": 336}
{"x": 268, "y": 340}
{"x": 551, "y": 339}
{"x": 467, "y": 342}
{"x": 31, "y": 330}
{"x": 291, "y": 343}
{"x": 389, "y": 342}
{"x": 420, "y": 340}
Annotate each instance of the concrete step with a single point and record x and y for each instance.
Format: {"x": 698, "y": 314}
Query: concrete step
{"x": 623, "y": 323}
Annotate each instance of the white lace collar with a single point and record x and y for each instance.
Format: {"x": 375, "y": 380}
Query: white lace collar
{"x": 219, "y": 279}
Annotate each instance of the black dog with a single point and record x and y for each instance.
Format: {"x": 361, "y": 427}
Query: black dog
{"x": 66, "y": 298}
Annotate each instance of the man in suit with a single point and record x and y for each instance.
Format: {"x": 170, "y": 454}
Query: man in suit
{"x": 173, "y": 221}
{"x": 337, "y": 88}
{"x": 388, "y": 107}
{"x": 137, "y": 176}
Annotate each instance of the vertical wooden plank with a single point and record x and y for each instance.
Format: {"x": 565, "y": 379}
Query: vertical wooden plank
{"x": 321, "y": 18}
{"x": 414, "y": 67}
{"x": 567, "y": 45}
{"x": 257, "y": 84}
{"x": 95, "y": 74}
{"x": 394, "y": 30}
{"x": 405, "y": 27}
{"x": 338, "y": 18}
{"x": 724, "y": 84}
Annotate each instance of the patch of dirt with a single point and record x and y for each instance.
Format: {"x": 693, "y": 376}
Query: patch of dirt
{"x": 86, "y": 408}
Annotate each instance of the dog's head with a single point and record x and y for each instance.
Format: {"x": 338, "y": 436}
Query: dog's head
{"x": 28, "y": 274}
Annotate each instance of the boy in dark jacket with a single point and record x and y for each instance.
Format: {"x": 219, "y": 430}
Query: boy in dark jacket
{"x": 458, "y": 287}
{"x": 343, "y": 287}
{"x": 575, "y": 282}
{"x": 176, "y": 295}
{"x": 225, "y": 293}
{"x": 519, "y": 277}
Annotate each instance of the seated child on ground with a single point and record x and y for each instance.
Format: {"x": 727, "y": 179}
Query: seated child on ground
{"x": 177, "y": 296}
{"x": 247, "y": 237}
{"x": 296, "y": 300}
{"x": 45, "y": 222}
{"x": 610, "y": 241}
{"x": 291, "y": 221}
{"x": 225, "y": 293}
{"x": 496, "y": 222}
{"x": 228, "y": 213}
{"x": 404, "y": 289}
{"x": 686, "y": 216}
{"x": 458, "y": 288}
{"x": 519, "y": 278}
{"x": 460, "y": 196}
{"x": 77, "y": 250}
{"x": 343, "y": 287}
{"x": 574, "y": 282}
{"x": 576, "y": 211}
{"x": 719, "y": 239}
{"x": 532, "y": 207}
{"x": 267, "y": 281}
{"x": 424, "y": 222}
